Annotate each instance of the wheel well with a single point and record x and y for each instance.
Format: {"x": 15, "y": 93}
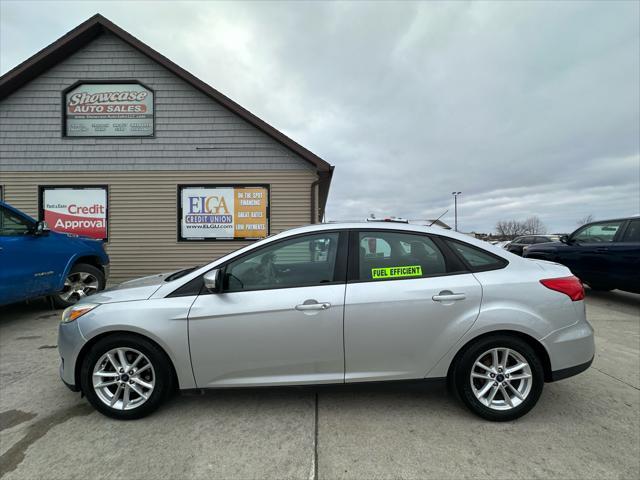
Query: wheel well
{"x": 87, "y": 346}
{"x": 90, "y": 260}
{"x": 538, "y": 348}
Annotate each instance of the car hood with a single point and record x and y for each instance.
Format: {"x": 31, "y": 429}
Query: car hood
{"x": 137, "y": 289}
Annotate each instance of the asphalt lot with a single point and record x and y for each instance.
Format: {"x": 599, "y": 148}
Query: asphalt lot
{"x": 583, "y": 427}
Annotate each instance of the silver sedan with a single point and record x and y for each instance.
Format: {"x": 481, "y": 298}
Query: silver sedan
{"x": 334, "y": 304}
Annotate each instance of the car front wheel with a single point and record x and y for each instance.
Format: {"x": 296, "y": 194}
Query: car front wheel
{"x": 83, "y": 280}
{"x": 499, "y": 378}
{"x": 126, "y": 377}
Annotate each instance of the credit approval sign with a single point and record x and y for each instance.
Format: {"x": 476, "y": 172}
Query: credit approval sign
{"x": 223, "y": 212}
{"x": 77, "y": 210}
{"x": 109, "y": 110}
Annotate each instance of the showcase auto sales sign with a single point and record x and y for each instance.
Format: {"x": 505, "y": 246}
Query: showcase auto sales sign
{"x": 109, "y": 109}
{"x": 79, "y": 211}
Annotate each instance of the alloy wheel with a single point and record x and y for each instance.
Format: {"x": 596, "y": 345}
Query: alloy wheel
{"x": 501, "y": 379}
{"x": 78, "y": 285}
{"x": 123, "y": 378}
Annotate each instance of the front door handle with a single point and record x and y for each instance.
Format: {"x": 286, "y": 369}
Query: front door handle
{"x": 602, "y": 250}
{"x": 448, "y": 297}
{"x": 312, "y": 305}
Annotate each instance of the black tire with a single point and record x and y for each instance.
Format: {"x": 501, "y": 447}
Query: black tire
{"x": 462, "y": 377}
{"x": 79, "y": 268}
{"x": 163, "y": 375}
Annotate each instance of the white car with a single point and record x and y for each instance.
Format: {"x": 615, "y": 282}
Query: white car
{"x": 335, "y": 304}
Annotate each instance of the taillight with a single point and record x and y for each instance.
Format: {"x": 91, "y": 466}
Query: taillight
{"x": 570, "y": 286}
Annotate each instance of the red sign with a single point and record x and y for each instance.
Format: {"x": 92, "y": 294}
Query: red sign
{"x": 80, "y": 211}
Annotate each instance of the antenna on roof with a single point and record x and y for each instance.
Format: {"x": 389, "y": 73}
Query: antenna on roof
{"x": 445, "y": 212}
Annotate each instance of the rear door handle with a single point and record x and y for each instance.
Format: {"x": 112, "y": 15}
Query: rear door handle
{"x": 602, "y": 250}
{"x": 313, "y": 306}
{"x": 449, "y": 297}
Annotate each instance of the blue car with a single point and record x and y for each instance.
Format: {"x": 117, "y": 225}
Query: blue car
{"x": 35, "y": 261}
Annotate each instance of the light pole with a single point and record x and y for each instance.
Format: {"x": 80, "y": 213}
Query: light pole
{"x": 455, "y": 203}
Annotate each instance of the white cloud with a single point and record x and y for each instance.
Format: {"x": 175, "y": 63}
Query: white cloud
{"x": 527, "y": 107}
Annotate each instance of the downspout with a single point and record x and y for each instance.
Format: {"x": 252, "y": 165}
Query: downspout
{"x": 314, "y": 214}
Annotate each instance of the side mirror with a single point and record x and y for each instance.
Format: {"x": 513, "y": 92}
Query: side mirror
{"x": 565, "y": 239}
{"x": 211, "y": 280}
{"x": 41, "y": 228}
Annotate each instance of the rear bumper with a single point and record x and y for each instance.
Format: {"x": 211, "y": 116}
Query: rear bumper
{"x": 571, "y": 349}
{"x": 570, "y": 371}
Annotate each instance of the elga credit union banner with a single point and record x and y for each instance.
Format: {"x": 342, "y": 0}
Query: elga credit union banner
{"x": 237, "y": 212}
{"x": 110, "y": 109}
{"x": 81, "y": 211}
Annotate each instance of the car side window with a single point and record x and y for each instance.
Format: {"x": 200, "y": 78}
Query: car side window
{"x": 478, "y": 259}
{"x": 632, "y": 233}
{"x": 12, "y": 225}
{"x": 598, "y": 232}
{"x": 395, "y": 255}
{"x": 298, "y": 262}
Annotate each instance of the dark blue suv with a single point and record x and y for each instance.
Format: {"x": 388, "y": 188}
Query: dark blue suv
{"x": 35, "y": 261}
{"x": 605, "y": 255}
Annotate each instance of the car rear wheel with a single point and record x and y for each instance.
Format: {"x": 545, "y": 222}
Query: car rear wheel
{"x": 83, "y": 280}
{"x": 126, "y": 377}
{"x": 499, "y": 378}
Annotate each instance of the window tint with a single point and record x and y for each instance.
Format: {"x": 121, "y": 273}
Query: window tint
{"x": 476, "y": 258}
{"x": 303, "y": 261}
{"x": 632, "y": 234}
{"x": 395, "y": 255}
{"x": 544, "y": 239}
{"x": 598, "y": 232}
{"x": 12, "y": 224}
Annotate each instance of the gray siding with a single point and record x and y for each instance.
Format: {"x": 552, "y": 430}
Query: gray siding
{"x": 192, "y": 132}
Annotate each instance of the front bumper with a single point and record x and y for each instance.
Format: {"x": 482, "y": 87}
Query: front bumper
{"x": 70, "y": 342}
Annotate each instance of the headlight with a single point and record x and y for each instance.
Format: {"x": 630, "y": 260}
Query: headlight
{"x": 76, "y": 311}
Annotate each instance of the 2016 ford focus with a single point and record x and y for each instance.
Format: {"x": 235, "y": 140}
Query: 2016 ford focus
{"x": 333, "y": 304}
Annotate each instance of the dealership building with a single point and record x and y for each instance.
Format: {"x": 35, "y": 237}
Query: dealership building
{"x": 100, "y": 135}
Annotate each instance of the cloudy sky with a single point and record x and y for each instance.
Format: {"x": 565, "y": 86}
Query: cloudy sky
{"x": 528, "y": 108}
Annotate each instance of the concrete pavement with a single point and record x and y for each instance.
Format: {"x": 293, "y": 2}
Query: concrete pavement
{"x": 583, "y": 427}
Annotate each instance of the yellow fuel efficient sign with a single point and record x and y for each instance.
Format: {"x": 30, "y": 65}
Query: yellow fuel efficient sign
{"x": 397, "y": 272}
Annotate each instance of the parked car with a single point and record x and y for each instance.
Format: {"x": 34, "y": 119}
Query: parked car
{"x": 605, "y": 255}
{"x": 36, "y": 261}
{"x": 518, "y": 244}
{"x": 334, "y": 304}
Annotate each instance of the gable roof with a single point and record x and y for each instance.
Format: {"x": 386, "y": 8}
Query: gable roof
{"x": 97, "y": 25}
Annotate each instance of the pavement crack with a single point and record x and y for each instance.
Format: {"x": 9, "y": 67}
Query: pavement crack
{"x": 13, "y": 457}
{"x": 616, "y": 378}
{"x": 313, "y": 474}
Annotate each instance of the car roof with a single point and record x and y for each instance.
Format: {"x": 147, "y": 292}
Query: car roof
{"x": 395, "y": 226}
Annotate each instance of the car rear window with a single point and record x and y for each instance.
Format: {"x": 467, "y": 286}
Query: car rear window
{"x": 478, "y": 260}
